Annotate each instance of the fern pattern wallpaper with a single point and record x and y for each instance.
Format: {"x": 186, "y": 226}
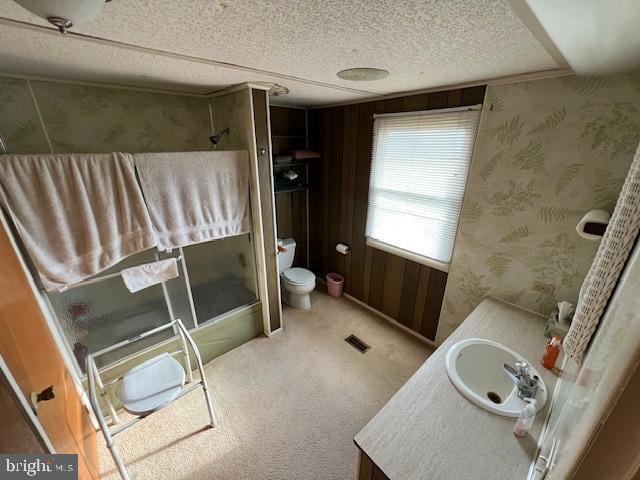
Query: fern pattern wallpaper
{"x": 19, "y": 123}
{"x": 80, "y": 118}
{"x": 547, "y": 152}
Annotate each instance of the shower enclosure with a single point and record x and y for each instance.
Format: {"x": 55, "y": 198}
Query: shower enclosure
{"x": 215, "y": 278}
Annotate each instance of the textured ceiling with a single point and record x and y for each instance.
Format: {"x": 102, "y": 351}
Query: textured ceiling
{"x": 297, "y": 43}
{"x": 49, "y": 54}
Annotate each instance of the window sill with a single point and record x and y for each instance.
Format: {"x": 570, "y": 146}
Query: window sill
{"x": 414, "y": 257}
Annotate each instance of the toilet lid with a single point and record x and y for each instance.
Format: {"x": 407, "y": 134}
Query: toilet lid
{"x": 298, "y": 276}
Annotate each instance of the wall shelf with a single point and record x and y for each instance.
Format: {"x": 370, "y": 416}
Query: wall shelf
{"x": 289, "y": 131}
{"x": 297, "y": 188}
{"x": 287, "y": 165}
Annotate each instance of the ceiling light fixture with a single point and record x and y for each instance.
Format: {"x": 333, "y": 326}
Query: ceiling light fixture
{"x": 363, "y": 74}
{"x": 64, "y": 14}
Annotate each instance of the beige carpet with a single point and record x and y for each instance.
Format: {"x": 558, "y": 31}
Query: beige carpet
{"x": 288, "y": 406}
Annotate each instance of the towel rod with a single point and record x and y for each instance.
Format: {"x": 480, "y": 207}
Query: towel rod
{"x": 91, "y": 281}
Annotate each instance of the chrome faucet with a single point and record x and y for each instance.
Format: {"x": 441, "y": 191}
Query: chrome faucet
{"x": 527, "y": 385}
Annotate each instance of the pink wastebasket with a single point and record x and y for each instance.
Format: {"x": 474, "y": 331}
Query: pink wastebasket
{"x": 335, "y": 283}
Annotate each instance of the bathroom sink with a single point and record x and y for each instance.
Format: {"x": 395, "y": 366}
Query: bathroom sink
{"x": 475, "y": 367}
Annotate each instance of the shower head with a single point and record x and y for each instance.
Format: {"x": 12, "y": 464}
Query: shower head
{"x": 216, "y": 137}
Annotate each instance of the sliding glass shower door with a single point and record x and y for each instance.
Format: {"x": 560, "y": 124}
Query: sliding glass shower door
{"x": 97, "y": 315}
{"x": 214, "y": 278}
{"x": 222, "y": 275}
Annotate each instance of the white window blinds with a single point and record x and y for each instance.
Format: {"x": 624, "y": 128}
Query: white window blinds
{"x": 418, "y": 175}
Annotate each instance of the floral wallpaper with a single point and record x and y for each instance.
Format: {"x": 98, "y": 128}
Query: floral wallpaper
{"x": 81, "y": 118}
{"x": 231, "y": 111}
{"x": 547, "y": 152}
{"x": 20, "y": 126}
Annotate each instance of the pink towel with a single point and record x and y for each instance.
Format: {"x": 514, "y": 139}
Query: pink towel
{"x": 304, "y": 154}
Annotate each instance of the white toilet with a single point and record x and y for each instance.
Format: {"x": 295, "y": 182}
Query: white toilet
{"x": 296, "y": 283}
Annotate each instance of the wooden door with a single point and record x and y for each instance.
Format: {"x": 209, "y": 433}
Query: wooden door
{"x": 29, "y": 350}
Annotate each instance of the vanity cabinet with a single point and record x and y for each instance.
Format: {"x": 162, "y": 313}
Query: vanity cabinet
{"x": 429, "y": 430}
{"x": 369, "y": 470}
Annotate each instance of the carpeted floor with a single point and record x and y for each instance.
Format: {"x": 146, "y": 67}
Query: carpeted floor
{"x": 288, "y": 406}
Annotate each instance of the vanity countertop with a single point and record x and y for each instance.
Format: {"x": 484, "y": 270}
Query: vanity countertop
{"x": 430, "y": 431}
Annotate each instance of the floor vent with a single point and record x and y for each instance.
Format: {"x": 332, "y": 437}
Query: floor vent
{"x": 356, "y": 343}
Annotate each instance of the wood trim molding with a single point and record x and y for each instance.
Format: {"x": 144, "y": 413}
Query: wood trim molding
{"x": 393, "y": 322}
{"x": 522, "y": 77}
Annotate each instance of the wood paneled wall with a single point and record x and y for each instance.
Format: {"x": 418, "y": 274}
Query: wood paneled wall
{"x": 288, "y": 129}
{"x": 291, "y": 213}
{"x": 402, "y": 289}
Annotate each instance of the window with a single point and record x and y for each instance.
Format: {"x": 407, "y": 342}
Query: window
{"x": 418, "y": 175}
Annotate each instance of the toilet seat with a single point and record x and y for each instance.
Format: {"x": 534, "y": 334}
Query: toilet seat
{"x": 152, "y": 385}
{"x": 298, "y": 276}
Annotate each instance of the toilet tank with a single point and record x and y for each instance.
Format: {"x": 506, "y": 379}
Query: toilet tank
{"x": 285, "y": 259}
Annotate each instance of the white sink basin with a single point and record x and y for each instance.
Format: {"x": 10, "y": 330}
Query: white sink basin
{"x": 475, "y": 368}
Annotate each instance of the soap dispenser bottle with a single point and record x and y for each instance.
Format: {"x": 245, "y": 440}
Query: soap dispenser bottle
{"x": 525, "y": 420}
{"x": 551, "y": 353}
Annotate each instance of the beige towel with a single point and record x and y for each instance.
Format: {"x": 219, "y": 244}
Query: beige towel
{"x": 614, "y": 249}
{"x": 76, "y": 214}
{"x": 195, "y": 197}
{"x": 149, "y": 274}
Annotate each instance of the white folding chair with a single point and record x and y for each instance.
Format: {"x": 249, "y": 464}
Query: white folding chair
{"x": 146, "y": 388}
